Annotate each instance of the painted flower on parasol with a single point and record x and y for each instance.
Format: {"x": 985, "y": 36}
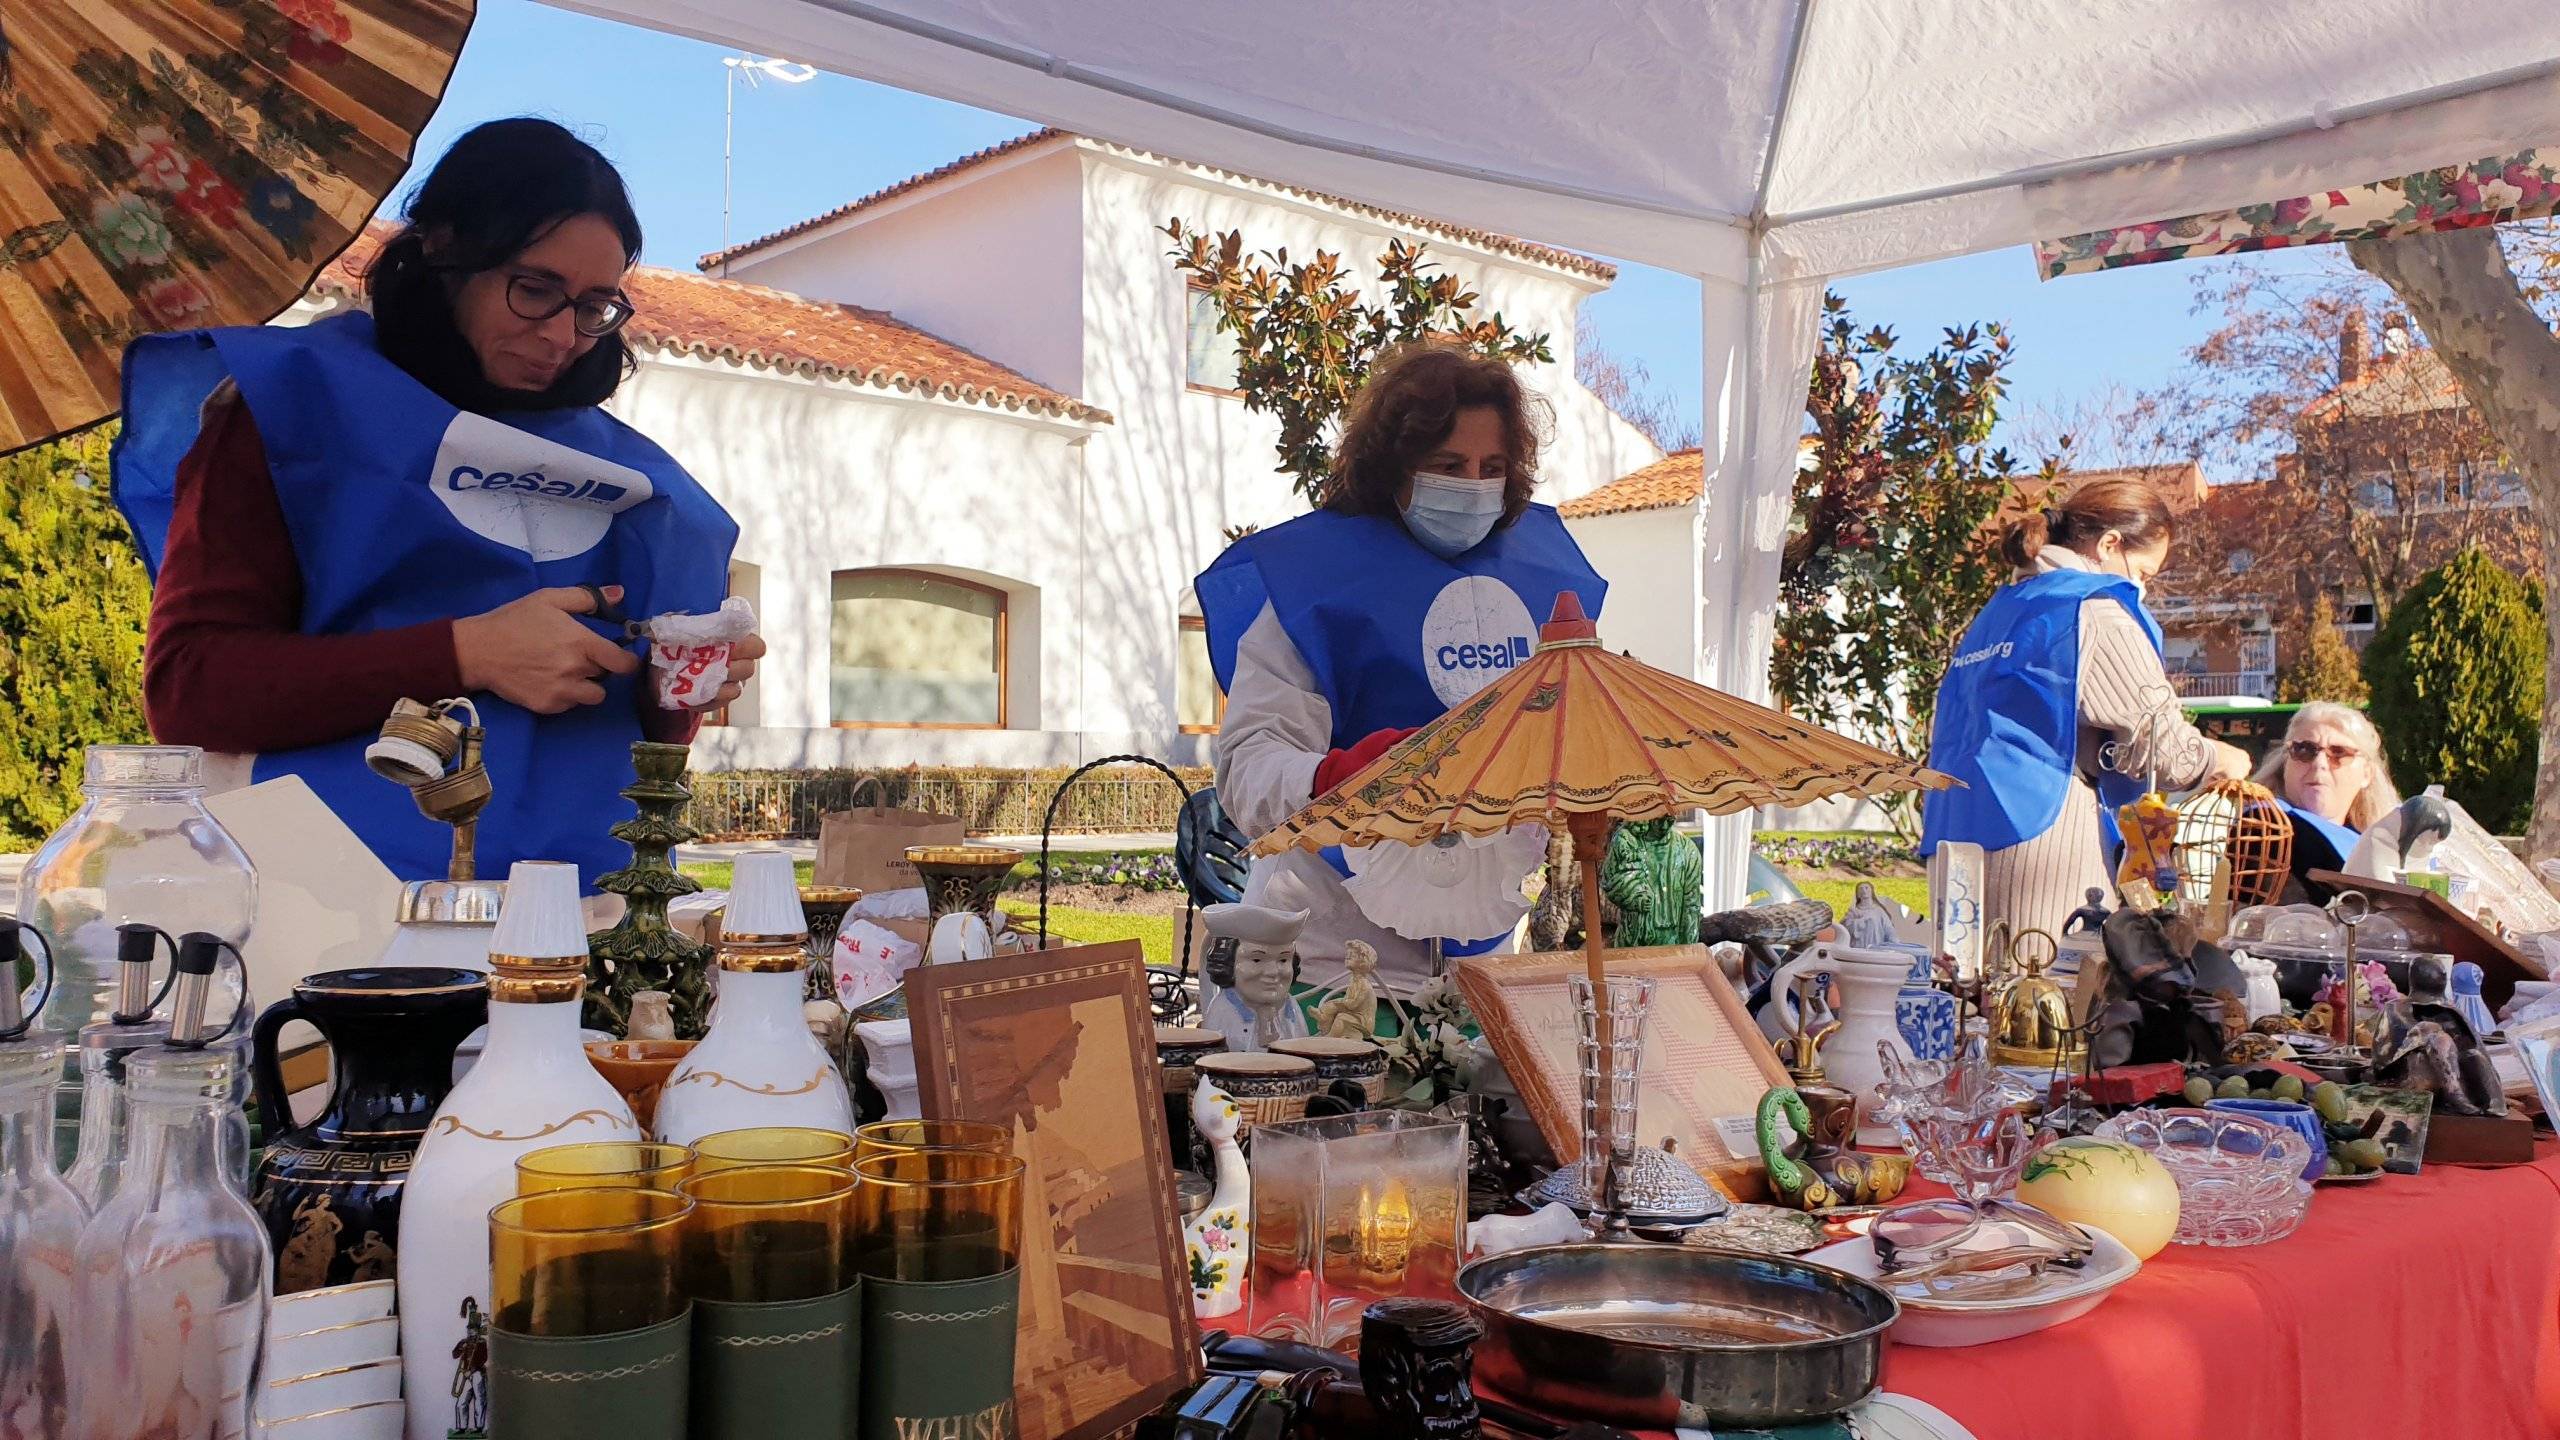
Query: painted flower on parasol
{"x": 1579, "y": 737}
{"x": 183, "y": 163}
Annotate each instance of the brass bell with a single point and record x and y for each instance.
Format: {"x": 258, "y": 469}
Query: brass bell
{"x": 2031, "y": 1020}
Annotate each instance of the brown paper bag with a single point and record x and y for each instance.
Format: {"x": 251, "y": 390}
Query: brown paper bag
{"x": 866, "y": 848}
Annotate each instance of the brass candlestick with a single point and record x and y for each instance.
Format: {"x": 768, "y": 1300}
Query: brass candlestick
{"x": 642, "y": 951}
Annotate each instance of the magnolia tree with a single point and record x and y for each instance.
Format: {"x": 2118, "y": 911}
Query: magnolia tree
{"x": 1893, "y": 545}
{"x": 1308, "y": 331}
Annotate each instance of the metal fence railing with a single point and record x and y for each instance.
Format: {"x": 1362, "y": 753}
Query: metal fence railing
{"x": 788, "y": 804}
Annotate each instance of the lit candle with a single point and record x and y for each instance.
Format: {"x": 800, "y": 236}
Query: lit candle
{"x": 1382, "y": 1233}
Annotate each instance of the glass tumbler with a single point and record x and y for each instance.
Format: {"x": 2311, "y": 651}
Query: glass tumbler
{"x": 886, "y": 1137}
{"x": 765, "y": 1233}
{"x": 772, "y": 1145}
{"x": 603, "y": 1164}
{"x": 937, "y": 1215}
{"x": 596, "y": 1261}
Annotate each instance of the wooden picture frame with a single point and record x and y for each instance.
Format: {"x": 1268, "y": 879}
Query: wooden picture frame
{"x": 1706, "y": 1063}
{"x": 1059, "y": 1045}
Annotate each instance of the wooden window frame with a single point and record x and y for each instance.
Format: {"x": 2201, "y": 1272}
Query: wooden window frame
{"x": 1189, "y": 289}
{"x": 1004, "y": 650}
{"x": 1185, "y": 626}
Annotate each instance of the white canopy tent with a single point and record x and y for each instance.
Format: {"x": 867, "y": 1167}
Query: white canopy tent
{"x": 1762, "y": 145}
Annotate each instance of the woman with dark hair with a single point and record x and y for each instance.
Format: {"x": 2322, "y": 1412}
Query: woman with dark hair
{"x": 2055, "y": 708}
{"x": 422, "y": 502}
{"x": 1422, "y": 578}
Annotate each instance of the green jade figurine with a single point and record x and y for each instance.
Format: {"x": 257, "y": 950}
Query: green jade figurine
{"x": 1657, "y": 878}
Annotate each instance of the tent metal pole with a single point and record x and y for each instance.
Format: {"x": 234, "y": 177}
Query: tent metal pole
{"x": 2184, "y": 149}
{"x": 1778, "y": 116}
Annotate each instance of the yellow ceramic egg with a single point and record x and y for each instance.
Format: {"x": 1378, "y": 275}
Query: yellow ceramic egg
{"x": 2107, "y": 1185}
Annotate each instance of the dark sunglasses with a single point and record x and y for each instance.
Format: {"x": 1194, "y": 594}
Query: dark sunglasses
{"x": 532, "y": 297}
{"x": 2307, "y": 751}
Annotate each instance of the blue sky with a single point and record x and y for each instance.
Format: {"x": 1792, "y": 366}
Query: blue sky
{"x": 653, "y": 103}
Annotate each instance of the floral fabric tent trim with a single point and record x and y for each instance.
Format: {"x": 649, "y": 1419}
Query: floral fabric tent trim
{"x": 2521, "y": 186}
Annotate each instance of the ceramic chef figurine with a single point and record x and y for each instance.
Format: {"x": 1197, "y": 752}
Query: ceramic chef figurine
{"x": 1252, "y": 962}
{"x": 1216, "y": 1237}
{"x": 533, "y": 1087}
{"x": 759, "y": 1065}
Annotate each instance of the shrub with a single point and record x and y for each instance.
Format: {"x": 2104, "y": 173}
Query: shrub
{"x": 2457, "y": 677}
{"x": 2326, "y": 669}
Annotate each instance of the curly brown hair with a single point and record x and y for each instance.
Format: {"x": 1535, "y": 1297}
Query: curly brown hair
{"x": 1409, "y": 405}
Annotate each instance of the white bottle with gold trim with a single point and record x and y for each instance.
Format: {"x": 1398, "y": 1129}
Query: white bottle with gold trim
{"x": 759, "y": 1065}
{"x": 532, "y": 1088}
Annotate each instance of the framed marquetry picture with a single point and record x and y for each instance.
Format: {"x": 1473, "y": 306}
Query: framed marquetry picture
{"x": 1706, "y": 1064}
{"x": 1059, "y": 1047}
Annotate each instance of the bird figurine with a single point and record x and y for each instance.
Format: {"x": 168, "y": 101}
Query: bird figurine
{"x": 1219, "y": 1237}
{"x": 2418, "y": 817}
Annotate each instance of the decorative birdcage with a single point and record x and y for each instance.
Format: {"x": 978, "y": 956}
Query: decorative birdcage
{"x": 2234, "y": 849}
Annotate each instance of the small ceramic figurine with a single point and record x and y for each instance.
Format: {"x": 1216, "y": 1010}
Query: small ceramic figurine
{"x": 2091, "y": 917}
{"x": 1656, "y": 876}
{"x": 1352, "y": 1012}
{"x": 1868, "y": 925}
{"x": 1217, "y": 1238}
{"x": 1816, "y": 1172}
{"x": 1252, "y": 962}
{"x": 2262, "y": 998}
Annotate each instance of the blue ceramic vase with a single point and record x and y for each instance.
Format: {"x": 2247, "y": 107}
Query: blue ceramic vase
{"x": 2292, "y": 1115}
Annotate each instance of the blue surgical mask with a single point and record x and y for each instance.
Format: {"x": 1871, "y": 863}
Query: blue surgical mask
{"x": 1451, "y": 516}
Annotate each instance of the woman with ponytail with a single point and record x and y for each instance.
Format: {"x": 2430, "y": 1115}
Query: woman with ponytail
{"x": 427, "y": 501}
{"x": 2061, "y": 668}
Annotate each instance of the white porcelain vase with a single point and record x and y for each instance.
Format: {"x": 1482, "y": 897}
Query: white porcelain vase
{"x": 759, "y": 1065}
{"x": 1870, "y": 981}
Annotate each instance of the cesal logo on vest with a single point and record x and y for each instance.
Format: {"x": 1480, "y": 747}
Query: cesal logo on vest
{"x": 1476, "y": 630}
{"x": 528, "y": 493}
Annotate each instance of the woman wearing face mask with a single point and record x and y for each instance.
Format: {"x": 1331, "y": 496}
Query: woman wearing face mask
{"x": 426, "y": 501}
{"x": 2334, "y": 783}
{"x": 1422, "y": 579}
{"x": 2062, "y": 666}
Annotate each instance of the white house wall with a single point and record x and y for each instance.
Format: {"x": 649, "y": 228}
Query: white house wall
{"x": 987, "y": 259}
{"x": 1649, "y": 558}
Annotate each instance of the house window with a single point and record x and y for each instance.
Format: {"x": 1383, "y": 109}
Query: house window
{"x": 1198, "y": 703}
{"x": 1211, "y": 362}
{"x": 2241, "y": 560}
{"x": 2182, "y": 655}
{"x": 2378, "y": 496}
{"x": 2493, "y": 488}
{"x": 2356, "y": 612}
{"x": 915, "y": 650}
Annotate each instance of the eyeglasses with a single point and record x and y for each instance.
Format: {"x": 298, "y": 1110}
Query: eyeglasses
{"x": 2307, "y": 751}
{"x": 533, "y": 297}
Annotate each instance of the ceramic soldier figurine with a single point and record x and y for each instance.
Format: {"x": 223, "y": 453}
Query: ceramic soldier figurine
{"x": 1252, "y": 962}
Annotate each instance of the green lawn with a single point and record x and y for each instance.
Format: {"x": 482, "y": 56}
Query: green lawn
{"x": 1093, "y": 927}
{"x": 1912, "y": 890}
{"x": 715, "y": 874}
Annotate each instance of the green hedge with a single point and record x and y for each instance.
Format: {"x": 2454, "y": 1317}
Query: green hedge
{"x": 736, "y": 804}
{"x": 2457, "y": 677}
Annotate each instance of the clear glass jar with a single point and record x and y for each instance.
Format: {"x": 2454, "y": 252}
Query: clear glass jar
{"x": 40, "y": 1223}
{"x": 170, "y": 1317}
{"x": 141, "y": 847}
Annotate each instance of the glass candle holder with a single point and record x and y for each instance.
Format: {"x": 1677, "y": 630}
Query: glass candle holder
{"x": 888, "y": 1137}
{"x": 937, "y": 1215}
{"x": 773, "y": 1145}
{"x": 763, "y": 1233}
{"x": 1350, "y": 1209}
{"x": 597, "y": 1261}
{"x": 606, "y": 1164}
{"x": 1611, "y": 1049}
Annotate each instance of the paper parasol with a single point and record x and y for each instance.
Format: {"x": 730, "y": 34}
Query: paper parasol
{"x": 171, "y": 164}
{"x": 1578, "y": 737}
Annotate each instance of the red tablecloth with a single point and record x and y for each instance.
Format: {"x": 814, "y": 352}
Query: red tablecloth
{"x": 2411, "y": 1308}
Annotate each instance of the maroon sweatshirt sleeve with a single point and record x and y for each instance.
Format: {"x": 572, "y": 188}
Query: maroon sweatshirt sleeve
{"x": 225, "y": 664}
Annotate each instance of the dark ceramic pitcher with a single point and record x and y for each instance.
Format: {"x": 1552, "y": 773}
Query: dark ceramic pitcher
{"x": 329, "y": 1191}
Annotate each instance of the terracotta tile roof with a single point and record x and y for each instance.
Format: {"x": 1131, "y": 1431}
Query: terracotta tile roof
{"x": 1668, "y": 483}
{"x": 689, "y": 314}
{"x": 1527, "y": 250}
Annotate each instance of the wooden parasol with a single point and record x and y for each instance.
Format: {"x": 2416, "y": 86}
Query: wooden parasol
{"x": 172, "y": 164}
{"x": 1579, "y": 737}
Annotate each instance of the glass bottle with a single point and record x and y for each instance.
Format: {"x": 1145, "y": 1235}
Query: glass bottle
{"x": 141, "y": 847}
{"x": 40, "y": 1221}
{"x": 759, "y": 1065}
{"x": 138, "y": 1021}
{"x": 169, "y": 1324}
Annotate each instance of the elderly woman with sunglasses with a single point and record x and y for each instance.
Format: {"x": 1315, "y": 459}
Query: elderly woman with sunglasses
{"x": 427, "y": 501}
{"x": 2331, "y": 776}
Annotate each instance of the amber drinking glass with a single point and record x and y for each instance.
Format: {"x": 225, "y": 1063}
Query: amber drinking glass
{"x": 603, "y": 1164}
{"x": 598, "y": 1261}
{"x": 763, "y": 1233}
{"x": 936, "y": 1215}
{"x": 889, "y": 1137}
{"x": 773, "y": 1145}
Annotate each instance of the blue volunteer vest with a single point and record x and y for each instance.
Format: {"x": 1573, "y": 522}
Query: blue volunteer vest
{"x": 1394, "y": 634}
{"x": 2310, "y": 828}
{"x": 2008, "y": 716}
{"x": 402, "y": 510}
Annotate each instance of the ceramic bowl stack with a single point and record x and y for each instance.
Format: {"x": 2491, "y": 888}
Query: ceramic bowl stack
{"x": 2240, "y": 1179}
{"x": 2053, "y": 1297}
{"x": 333, "y": 1365}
